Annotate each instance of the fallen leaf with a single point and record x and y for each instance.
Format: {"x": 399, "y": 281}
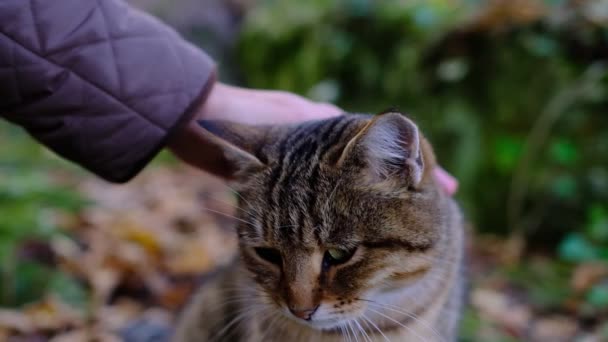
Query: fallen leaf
{"x": 588, "y": 274}
{"x": 554, "y": 329}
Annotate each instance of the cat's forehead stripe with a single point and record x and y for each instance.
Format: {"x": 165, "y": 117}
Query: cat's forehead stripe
{"x": 302, "y": 167}
{"x": 296, "y": 182}
{"x": 278, "y": 176}
{"x": 292, "y": 206}
{"x": 296, "y": 166}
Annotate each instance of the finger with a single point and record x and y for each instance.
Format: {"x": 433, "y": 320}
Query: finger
{"x": 447, "y": 182}
{"x": 330, "y": 109}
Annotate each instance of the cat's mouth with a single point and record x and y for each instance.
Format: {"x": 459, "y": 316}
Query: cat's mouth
{"x": 324, "y": 320}
{"x": 331, "y": 325}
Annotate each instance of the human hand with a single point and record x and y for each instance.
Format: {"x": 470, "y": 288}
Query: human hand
{"x": 250, "y": 106}
{"x": 246, "y": 106}
{"x": 448, "y": 183}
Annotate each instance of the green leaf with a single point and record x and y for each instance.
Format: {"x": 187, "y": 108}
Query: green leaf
{"x": 69, "y": 290}
{"x": 564, "y": 186}
{"x": 576, "y": 248}
{"x": 425, "y": 16}
{"x": 564, "y": 152}
{"x": 507, "y": 151}
{"x": 452, "y": 70}
{"x": 30, "y": 282}
{"x": 597, "y": 296}
{"x": 359, "y": 8}
{"x": 597, "y": 223}
{"x": 541, "y": 45}
{"x": 603, "y": 253}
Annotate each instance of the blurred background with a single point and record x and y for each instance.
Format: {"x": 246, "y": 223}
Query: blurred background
{"x": 512, "y": 93}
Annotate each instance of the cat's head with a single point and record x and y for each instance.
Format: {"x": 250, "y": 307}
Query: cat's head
{"x": 333, "y": 213}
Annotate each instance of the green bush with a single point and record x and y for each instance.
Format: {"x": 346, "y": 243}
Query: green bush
{"x": 30, "y": 199}
{"x": 515, "y": 106}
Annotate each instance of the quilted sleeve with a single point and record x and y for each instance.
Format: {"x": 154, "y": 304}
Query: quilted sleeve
{"x": 97, "y": 81}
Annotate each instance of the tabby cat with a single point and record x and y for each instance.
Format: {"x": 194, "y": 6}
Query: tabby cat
{"x": 344, "y": 235}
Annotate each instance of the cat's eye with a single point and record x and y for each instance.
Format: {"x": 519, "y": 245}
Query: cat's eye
{"x": 336, "y": 256}
{"x": 269, "y": 254}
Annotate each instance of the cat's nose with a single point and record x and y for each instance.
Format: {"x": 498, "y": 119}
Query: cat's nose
{"x": 304, "y": 314}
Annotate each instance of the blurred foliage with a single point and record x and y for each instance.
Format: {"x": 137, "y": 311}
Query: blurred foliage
{"x": 37, "y": 190}
{"x": 30, "y": 202}
{"x": 511, "y": 93}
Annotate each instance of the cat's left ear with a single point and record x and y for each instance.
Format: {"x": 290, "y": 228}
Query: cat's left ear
{"x": 232, "y": 148}
{"x": 390, "y": 148}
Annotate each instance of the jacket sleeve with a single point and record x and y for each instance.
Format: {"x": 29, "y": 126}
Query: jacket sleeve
{"x": 97, "y": 81}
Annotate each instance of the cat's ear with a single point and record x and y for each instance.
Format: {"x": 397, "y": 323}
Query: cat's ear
{"x": 389, "y": 148}
{"x": 234, "y": 147}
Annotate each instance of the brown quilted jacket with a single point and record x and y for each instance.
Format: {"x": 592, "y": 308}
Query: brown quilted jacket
{"x": 97, "y": 81}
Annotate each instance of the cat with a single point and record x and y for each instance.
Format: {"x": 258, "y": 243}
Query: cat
{"x": 344, "y": 235}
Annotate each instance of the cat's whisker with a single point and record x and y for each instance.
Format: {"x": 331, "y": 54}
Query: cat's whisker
{"x": 399, "y": 323}
{"x": 360, "y": 331}
{"x": 435, "y": 278}
{"x": 331, "y": 195}
{"x": 245, "y": 294}
{"x": 436, "y": 259}
{"x": 275, "y": 318}
{"x": 342, "y": 333}
{"x": 244, "y": 300}
{"x": 399, "y": 310}
{"x": 367, "y": 328}
{"x": 238, "y": 194}
{"x": 241, "y": 316}
{"x": 232, "y": 205}
{"x": 228, "y": 215}
{"x": 426, "y": 282}
{"x": 430, "y": 277}
{"x": 256, "y": 290}
{"x": 439, "y": 258}
{"x": 346, "y": 332}
{"x": 363, "y": 332}
{"x": 281, "y": 328}
{"x": 353, "y": 330}
{"x": 240, "y": 292}
{"x": 375, "y": 327}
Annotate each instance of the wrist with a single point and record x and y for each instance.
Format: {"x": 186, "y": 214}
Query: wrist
{"x": 184, "y": 131}
{"x": 216, "y": 102}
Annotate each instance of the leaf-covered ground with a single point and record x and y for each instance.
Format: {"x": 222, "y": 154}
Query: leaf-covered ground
{"x": 129, "y": 259}
{"x": 136, "y": 252}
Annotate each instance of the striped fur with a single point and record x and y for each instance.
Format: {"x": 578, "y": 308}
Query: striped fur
{"x": 355, "y": 183}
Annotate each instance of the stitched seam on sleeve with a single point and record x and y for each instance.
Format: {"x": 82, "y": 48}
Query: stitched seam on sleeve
{"x": 35, "y": 24}
{"x": 51, "y": 53}
{"x": 15, "y": 71}
{"x": 105, "y": 26}
{"x": 147, "y": 96}
{"x": 179, "y": 58}
{"x": 85, "y": 80}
